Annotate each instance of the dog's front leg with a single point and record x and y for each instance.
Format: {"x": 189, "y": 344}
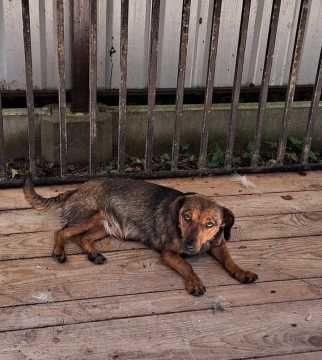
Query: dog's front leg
{"x": 221, "y": 253}
{"x": 193, "y": 284}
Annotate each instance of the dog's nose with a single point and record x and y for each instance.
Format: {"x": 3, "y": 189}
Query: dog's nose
{"x": 190, "y": 245}
{"x": 189, "y": 242}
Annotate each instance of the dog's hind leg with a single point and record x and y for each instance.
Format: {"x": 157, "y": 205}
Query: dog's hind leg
{"x": 70, "y": 231}
{"x": 221, "y": 254}
{"x": 87, "y": 244}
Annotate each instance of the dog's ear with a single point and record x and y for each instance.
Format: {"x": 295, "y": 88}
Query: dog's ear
{"x": 175, "y": 207}
{"x": 229, "y": 220}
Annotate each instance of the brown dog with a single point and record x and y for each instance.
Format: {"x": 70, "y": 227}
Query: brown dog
{"x": 169, "y": 221}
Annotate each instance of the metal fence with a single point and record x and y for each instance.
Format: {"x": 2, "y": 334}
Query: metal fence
{"x": 202, "y": 165}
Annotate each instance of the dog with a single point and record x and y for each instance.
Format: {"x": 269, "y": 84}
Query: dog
{"x": 173, "y": 223}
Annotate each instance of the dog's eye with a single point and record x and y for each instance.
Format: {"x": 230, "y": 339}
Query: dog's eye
{"x": 210, "y": 224}
{"x": 187, "y": 216}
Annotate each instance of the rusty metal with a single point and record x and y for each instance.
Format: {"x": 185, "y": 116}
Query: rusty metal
{"x": 80, "y": 18}
{"x": 237, "y": 82}
{"x": 152, "y": 79}
{"x": 121, "y": 155}
{"x": 313, "y": 113}
{"x": 29, "y": 86}
{"x": 265, "y": 79}
{"x": 202, "y": 162}
{"x": 89, "y": 8}
{"x": 2, "y": 155}
{"x": 295, "y": 66}
{"x": 61, "y": 87}
{"x": 180, "y": 81}
{"x": 92, "y": 86}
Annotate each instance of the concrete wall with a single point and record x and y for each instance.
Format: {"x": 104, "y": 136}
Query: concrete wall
{"x": 47, "y": 129}
{"x": 218, "y": 126}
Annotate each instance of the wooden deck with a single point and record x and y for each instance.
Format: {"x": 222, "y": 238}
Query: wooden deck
{"x": 133, "y": 307}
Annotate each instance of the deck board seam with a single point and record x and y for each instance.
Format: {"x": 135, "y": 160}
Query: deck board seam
{"x": 304, "y": 279}
{"x": 159, "y": 314}
{"x": 281, "y": 355}
{"x": 144, "y": 249}
{"x": 237, "y": 217}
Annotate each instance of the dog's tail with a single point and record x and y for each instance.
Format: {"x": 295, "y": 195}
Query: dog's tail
{"x": 41, "y": 203}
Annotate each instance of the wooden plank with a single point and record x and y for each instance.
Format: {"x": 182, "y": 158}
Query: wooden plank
{"x": 278, "y": 226}
{"x": 210, "y": 186}
{"x": 40, "y": 244}
{"x": 247, "y": 227}
{"x": 260, "y": 331}
{"x": 107, "y": 308}
{"x": 315, "y": 355}
{"x": 21, "y": 221}
{"x": 276, "y": 203}
{"x": 264, "y": 183}
{"x": 14, "y": 199}
{"x": 268, "y": 204}
{"x": 140, "y": 271}
{"x": 256, "y": 227}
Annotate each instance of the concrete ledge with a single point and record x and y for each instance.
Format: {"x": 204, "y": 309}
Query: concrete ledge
{"x": 77, "y": 136}
{"x": 47, "y": 129}
{"x": 218, "y": 125}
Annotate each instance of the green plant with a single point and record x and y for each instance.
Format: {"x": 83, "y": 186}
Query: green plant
{"x": 216, "y": 157}
{"x": 294, "y": 148}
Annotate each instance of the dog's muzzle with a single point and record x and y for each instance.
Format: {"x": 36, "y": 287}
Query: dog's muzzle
{"x": 190, "y": 249}
{"x": 190, "y": 245}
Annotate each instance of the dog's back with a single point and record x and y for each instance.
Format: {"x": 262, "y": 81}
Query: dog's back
{"x": 135, "y": 209}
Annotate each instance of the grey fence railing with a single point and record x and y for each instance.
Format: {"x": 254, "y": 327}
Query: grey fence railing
{"x": 202, "y": 167}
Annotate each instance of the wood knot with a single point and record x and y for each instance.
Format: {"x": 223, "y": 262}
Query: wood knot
{"x": 315, "y": 340}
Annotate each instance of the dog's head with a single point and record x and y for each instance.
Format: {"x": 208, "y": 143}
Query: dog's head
{"x": 200, "y": 222}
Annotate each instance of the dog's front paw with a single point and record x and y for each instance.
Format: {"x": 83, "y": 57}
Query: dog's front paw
{"x": 97, "y": 258}
{"x": 59, "y": 256}
{"x": 245, "y": 277}
{"x": 194, "y": 286}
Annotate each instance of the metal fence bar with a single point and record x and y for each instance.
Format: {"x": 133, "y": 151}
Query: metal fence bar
{"x": 237, "y": 82}
{"x": 92, "y": 85}
{"x": 202, "y": 161}
{"x": 265, "y": 79}
{"x": 313, "y": 112}
{"x": 184, "y": 33}
{"x": 123, "y": 85}
{"x": 295, "y": 65}
{"x": 61, "y": 87}
{"x": 152, "y": 79}
{"x": 29, "y": 86}
{"x": 79, "y": 22}
{"x": 2, "y": 157}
